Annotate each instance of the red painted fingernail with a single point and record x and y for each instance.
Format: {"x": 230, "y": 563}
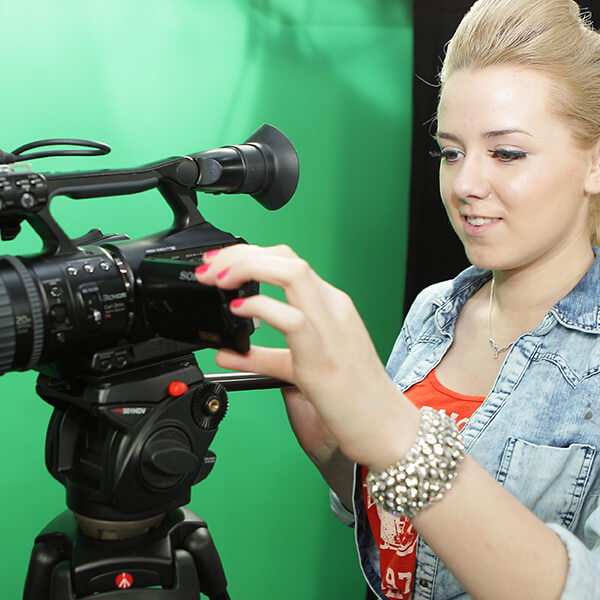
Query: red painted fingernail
{"x": 201, "y": 269}
{"x": 222, "y": 273}
{"x": 237, "y": 302}
{"x": 212, "y": 252}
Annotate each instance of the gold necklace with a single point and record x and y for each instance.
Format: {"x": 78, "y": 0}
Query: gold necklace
{"x": 497, "y": 350}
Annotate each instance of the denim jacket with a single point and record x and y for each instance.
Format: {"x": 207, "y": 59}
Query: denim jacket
{"x": 537, "y": 432}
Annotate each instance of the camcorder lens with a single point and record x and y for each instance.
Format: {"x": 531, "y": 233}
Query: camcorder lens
{"x": 21, "y": 317}
{"x": 56, "y": 306}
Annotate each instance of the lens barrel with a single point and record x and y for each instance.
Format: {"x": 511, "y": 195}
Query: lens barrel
{"x": 21, "y": 317}
{"x": 53, "y": 306}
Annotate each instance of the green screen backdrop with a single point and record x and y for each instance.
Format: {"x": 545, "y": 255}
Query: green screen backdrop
{"x": 155, "y": 79}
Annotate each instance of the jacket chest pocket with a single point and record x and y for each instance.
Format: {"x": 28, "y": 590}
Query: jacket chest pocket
{"x": 549, "y": 480}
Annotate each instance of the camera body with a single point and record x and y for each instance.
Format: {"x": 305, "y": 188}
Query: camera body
{"x": 100, "y": 303}
{"x": 103, "y": 307}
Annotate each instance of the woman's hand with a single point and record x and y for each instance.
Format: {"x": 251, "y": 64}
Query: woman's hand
{"x": 330, "y": 356}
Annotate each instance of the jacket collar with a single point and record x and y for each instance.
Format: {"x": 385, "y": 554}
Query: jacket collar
{"x": 579, "y": 309}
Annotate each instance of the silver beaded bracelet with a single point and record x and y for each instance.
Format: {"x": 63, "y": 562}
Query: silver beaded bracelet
{"x": 427, "y": 471}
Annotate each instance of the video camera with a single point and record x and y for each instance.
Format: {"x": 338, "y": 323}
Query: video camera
{"x": 101, "y": 303}
{"x": 112, "y": 324}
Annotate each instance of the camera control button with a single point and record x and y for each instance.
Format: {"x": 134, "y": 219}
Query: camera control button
{"x": 105, "y": 266}
{"x": 59, "y": 314}
{"x": 121, "y": 360}
{"x": 88, "y": 268}
{"x": 72, "y": 271}
{"x": 103, "y": 363}
{"x": 27, "y": 200}
{"x": 177, "y": 388}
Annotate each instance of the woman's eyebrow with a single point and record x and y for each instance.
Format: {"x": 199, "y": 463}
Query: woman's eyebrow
{"x": 500, "y": 132}
{"x": 487, "y": 135}
{"x": 446, "y": 136}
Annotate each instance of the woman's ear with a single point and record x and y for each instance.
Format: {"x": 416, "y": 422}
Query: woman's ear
{"x": 592, "y": 182}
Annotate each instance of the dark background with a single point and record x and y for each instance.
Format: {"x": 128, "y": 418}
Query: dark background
{"x": 434, "y": 252}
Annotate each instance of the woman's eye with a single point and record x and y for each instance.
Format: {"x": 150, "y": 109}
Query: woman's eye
{"x": 505, "y": 155}
{"x": 447, "y": 154}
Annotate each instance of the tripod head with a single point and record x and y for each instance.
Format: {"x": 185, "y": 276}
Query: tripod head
{"x": 129, "y": 446}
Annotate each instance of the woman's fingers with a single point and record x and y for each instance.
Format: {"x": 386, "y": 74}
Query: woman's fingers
{"x": 283, "y": 317}
{"x": 318, "y": 320}
{"x": 272, "y": 362}
{"x": 315, "y": 311}
{"x": 230, "y": 267}
{"x": 331, "y": 357}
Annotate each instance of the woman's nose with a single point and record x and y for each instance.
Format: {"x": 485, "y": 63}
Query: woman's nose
{"x": 471, "y": 180}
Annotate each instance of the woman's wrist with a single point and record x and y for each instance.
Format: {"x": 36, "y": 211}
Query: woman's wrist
{"x": 386, "y": 431}
{"x": 426, "y": 473}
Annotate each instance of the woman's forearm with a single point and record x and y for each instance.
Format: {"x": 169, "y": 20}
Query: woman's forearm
{"x": 338, "y": 472}
{"x": 495, "y": 546}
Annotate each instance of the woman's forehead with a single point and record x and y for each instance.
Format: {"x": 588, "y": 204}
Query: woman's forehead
{"x": 496, "y": 100}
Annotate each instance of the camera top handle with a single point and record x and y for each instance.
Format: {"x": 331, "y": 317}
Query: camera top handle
{"x": 264, "y": 166}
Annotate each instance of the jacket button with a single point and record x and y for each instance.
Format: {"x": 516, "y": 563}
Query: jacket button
{"x": 423, "y": 583}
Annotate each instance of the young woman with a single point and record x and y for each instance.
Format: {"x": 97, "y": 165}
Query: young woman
{"x": 510, "y": 348}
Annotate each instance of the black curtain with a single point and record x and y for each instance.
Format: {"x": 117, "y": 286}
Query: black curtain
{"x": 434, "y": 252}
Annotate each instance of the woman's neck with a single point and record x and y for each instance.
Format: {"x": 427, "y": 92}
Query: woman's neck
{"x": 525, "y": 295}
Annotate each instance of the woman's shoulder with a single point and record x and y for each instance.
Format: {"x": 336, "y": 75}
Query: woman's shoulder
{"x": 452, "y": 293}
{"x": 434, "y": 308}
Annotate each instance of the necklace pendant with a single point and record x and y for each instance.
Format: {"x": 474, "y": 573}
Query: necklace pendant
{"x": 498, "y": 351}
{"x": 495, "y": 348}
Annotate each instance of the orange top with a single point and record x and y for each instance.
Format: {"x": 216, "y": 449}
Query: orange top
{"x": 395, "y": 536}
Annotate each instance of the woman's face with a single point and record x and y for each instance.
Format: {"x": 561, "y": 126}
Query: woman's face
{"x": 514, "y": 182}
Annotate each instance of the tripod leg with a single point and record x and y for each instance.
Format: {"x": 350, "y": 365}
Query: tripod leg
{"x": 44, "y": 558}
{"x": 186, "y": 587}
{"x": 210, "y": 571}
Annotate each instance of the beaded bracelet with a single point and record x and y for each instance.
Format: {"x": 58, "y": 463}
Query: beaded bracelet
{"x": 426, "y": 473}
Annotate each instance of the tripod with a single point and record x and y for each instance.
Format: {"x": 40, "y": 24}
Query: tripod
{"x": 128, "y": 447}
{"x": 176, "y": 560}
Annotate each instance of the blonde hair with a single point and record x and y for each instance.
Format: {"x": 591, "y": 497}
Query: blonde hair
{"x": 549, "y": 36}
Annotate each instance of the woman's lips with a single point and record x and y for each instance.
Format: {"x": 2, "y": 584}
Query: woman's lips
{"x": 477, "y": 225}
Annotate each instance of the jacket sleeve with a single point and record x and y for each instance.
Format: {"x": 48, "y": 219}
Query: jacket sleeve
{"x": 583, "y": 578}
{"x": 342, "y": 514}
